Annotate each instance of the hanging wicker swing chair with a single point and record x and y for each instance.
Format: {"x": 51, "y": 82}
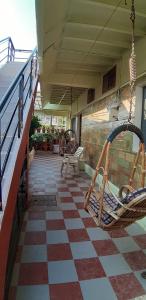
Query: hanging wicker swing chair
{"x": 108, "y": 210}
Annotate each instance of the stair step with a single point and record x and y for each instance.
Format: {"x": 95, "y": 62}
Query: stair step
{"x": 7, "y": 74}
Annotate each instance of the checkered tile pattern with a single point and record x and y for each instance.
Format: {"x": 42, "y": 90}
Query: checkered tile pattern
{"x": 62, "y": 255}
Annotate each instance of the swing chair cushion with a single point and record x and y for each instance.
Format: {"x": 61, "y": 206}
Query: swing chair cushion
{"x": 113, "y": 205}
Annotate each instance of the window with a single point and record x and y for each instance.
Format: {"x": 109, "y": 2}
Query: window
{"x": 90, "y": 95}
{"x": 109, "y": 80}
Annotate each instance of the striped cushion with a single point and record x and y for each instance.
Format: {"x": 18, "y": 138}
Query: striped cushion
{"x": 112, "y": 203}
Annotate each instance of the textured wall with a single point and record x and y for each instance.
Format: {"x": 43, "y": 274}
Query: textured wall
{"x": 98, "y": 121}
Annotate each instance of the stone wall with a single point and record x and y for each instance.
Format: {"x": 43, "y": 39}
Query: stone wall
{"x": 98, "y": 121}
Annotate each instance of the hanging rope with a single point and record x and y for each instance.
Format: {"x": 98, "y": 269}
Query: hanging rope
{"x": 132, "y": 61}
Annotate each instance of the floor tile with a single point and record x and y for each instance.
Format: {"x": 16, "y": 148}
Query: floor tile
{"x": 63, "y": 189}
{"x": 136, "y": 260}
{"x": 97, "y": 289}
{"x": 55, "y": 224}
{"x": 135, "y": 229}
{"x": 140, "y": 278}
{"x": 114, "y": 265}
{"x": 72, "y": 184}
{"x": 89, "y": 268}
{"x": 78, "y": 199}
{"x": 33, "y": 273}
{"x": 80, "y": 205}
{"x": 117, "y": 233}
{"x": 66, "y": 199}
{"x": 57, "y": 236}
{"x": 54, "y": 215}
{"x": 70, "y": 214}
{"x": 35, "y": 238}
{"x": 36, "y": 225}
{"x": 66, "y": 291}
{"x": 74, "y": 189}
{"x": 64, "y": 194}
{"x": 68, "y": 206}
{"x": 62, "y": 271}
{"x": 126, "y": 286}
{"x": 61, "y": 181}
{"x": 77, "y": 194}
{"x": 75, "y": 223}
{"x": 82, "y": 250}
{"x": 83, "y": 184}
{"x": 97, "y": 234}
{"x": 33, "y": 292}
{"x": 126, "y": 244}
{"x": 77, "y": 235}
{"x": 89, "y": 223}
{"x": 34, "y": 253}
{"x": 39, "y": 215}
{"x": 141, "y": 240}
{"x": 59, "y": 252}
{"x": 105, "y": 247}
{"x": 83, "y": 213}
{"x": 70, "y": 181}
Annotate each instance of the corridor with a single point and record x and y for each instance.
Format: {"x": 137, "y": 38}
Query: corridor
{"x": 62, "y": 255}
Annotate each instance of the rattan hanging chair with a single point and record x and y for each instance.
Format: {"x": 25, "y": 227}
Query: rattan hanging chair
{"x": 108, "y": 210}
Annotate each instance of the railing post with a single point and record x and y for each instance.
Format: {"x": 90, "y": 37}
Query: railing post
{"x": 36, "y": 64}
{"x": 11, "y": 50}
{"x": 30, "y": 88}
{"x": 8, "y": 50}
{"x": 20, "y": 106}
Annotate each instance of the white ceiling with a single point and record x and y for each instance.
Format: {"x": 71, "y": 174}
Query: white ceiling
{"x": 77, "y": 39}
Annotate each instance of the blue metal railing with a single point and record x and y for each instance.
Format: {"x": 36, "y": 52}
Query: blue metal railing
{"x": 13, "y": 107}
{"x": 8, "y": 53}
{"x": 7, "y": 50}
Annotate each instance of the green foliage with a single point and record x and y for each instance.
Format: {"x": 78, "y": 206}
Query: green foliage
{"x": 35, "y": 123}
{"x": 41, "y": 137}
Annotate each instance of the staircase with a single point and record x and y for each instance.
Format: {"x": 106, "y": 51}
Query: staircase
{"x": 18, "y": 81}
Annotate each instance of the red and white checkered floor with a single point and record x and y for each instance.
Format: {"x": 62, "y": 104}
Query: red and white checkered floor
{"x": 62, "y": 255}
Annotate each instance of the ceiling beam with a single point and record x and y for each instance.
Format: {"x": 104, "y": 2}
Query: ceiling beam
{"x": 57, "y": 107}
{"x": 74, "y": 80}
{"x": 110, "y": 6}
{"x": 117, "y": 44}
{"x": 89, "y": 61}
{"x": 80, "y": 67}
{"x": 78, "y": 54}
{"x": 104, "y": 53}
{"x": 121, "y": 30}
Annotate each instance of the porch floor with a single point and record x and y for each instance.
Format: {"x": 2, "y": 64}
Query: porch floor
{"x": 62, "y": 255}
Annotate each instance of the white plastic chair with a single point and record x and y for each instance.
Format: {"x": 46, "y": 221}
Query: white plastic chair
{"x": 72, "y": 160}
